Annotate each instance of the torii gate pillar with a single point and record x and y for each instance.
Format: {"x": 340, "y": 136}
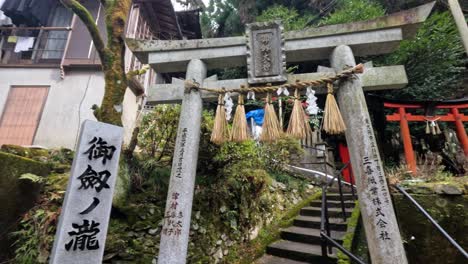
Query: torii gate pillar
{"x": 176, "y": 227}
{"x": 385, "y": 243}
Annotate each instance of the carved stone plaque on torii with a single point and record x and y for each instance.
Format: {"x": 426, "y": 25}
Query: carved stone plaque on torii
{"x": 265, "y": 50}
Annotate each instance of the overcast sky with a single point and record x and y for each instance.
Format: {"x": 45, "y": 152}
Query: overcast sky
{"x": 178, "y": 7}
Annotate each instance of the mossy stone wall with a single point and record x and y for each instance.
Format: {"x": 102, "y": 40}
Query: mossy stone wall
{"x": 16, "y": 196}
{"x": 424, "y": 243}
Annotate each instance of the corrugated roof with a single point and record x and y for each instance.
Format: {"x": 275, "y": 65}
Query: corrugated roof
{"x": 162, "y": 18}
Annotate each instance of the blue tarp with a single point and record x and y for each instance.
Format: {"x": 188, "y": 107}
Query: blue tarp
{"x": 257, "y": 115}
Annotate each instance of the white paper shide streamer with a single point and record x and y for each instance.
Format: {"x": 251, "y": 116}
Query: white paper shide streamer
{"x": 312, "y": 108}
{"x": 228, "y": 104}
{"x": 251, "y": 95}
{"x": 282, "y": 90}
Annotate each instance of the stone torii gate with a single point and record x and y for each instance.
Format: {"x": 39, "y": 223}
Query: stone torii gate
{"x": 339, "y": 43}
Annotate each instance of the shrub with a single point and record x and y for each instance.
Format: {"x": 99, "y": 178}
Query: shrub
{"x": 433, "y": 60}
{"x": 157, "y": 132}
{"x": 291, "y": 19}
{"x": 354, "y": 10}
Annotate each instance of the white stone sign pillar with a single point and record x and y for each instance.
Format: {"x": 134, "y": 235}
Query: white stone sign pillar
{"x": 176, "y": 227}
{"x": 82, "y": 228}
{"x": 383, "y": 236}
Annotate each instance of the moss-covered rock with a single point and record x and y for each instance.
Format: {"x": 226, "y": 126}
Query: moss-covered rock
{"x": 349, "y": 238}
{"x": 16, "y": 195}
{"x": 32, "y": 153}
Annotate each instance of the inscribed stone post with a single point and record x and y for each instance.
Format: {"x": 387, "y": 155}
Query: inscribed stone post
{"x": 176, "y": 226}
{"x": 82, "y": 228}
{"x": 383, "y": 236}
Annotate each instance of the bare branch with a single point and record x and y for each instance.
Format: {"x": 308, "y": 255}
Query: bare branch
{"x": 90, "y": 24}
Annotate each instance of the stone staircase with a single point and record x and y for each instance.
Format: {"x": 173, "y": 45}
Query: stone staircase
{"x": 300, "y": 243}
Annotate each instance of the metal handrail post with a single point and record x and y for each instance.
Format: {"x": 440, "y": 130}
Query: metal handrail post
{"x": 324, "y": 259}
{"x": 343, "y": 211}
{"x": 327, "y": 224}
{"x": 351, "y": 178}
{"x": 340, "y": 247}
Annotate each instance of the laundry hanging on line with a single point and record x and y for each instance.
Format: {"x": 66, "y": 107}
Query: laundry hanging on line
{"x": 24, "y": 44}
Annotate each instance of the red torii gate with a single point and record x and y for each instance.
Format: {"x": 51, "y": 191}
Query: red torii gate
{"x": 454, "y": 115}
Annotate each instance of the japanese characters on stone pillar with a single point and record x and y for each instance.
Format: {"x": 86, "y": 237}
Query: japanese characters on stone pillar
{"x": 176, "y": 226}
{"x": 266, "y": 56}
{"x": 380, "y": 223}
{"x": 82, "y": 228}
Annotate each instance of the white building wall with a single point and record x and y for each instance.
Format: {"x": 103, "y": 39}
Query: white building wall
{"x": 68, "y": 103}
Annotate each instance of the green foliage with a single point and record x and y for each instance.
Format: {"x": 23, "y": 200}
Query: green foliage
{"x": 157, "y": 133}
{"x": 221, "y": 19}
{"x": 350, "y": 233}
{"x": 279, "y": 153}
{"x": 354, "y": 10}
{"x": 292, "y": 20}
{"x": 233, "y": 152}
{"x": 36, "y": 231}
{"x": 433, "y": 61}
{"x": 227, "y": 17}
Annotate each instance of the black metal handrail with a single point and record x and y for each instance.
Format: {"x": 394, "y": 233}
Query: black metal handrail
{"x": 429, "y": 217}
{"x": 340, "y": 189}
{"x": 340, "y": 247}
{"x": 327, "y": 242}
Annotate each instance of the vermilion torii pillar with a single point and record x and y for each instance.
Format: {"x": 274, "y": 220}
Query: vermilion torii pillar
{"x": 404, "y": 117}
{"x": 461, "y": 131}
{"x": 406, "y": 137}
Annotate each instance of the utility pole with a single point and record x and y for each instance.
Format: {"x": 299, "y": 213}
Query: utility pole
{"x": 460, "y": 21}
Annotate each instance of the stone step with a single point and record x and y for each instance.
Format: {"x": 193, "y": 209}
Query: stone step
{"x": 269, "y": 259}
{"x": 299, "y": 251}
{"x": 344, "y": 189}
{"x": 336, "y": 196}
{"x": 333, "y": 203}
{"x": 314, "y": 222}
{"x": 308, "y": 235}
{"x": 332, "y": 212}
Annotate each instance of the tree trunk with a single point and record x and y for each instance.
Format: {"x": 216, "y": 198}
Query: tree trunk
{"x": 111, "y": 55}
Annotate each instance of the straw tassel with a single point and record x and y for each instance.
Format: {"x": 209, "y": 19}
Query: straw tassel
{"x": 428, "y": 130}
{"x": 332, "y": 121}
{"x": 239, "y": 125}
{"x": 438, "y": 131}
{"x": 298, "y": 123}
{"x": 307, "y": 126}
{"x": 220, "y": 133}
{"x": 271, "y": 129}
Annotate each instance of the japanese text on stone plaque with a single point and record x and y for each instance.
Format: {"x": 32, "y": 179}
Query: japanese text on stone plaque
{"x": 84, "y": 235}
{"x": 265, "y": 54}
{"x": 376, "y": 184}
{"x": 183, "y": 141}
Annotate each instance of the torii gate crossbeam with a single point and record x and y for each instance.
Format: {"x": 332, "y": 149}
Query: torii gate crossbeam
{"x": 339, "y": 43}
